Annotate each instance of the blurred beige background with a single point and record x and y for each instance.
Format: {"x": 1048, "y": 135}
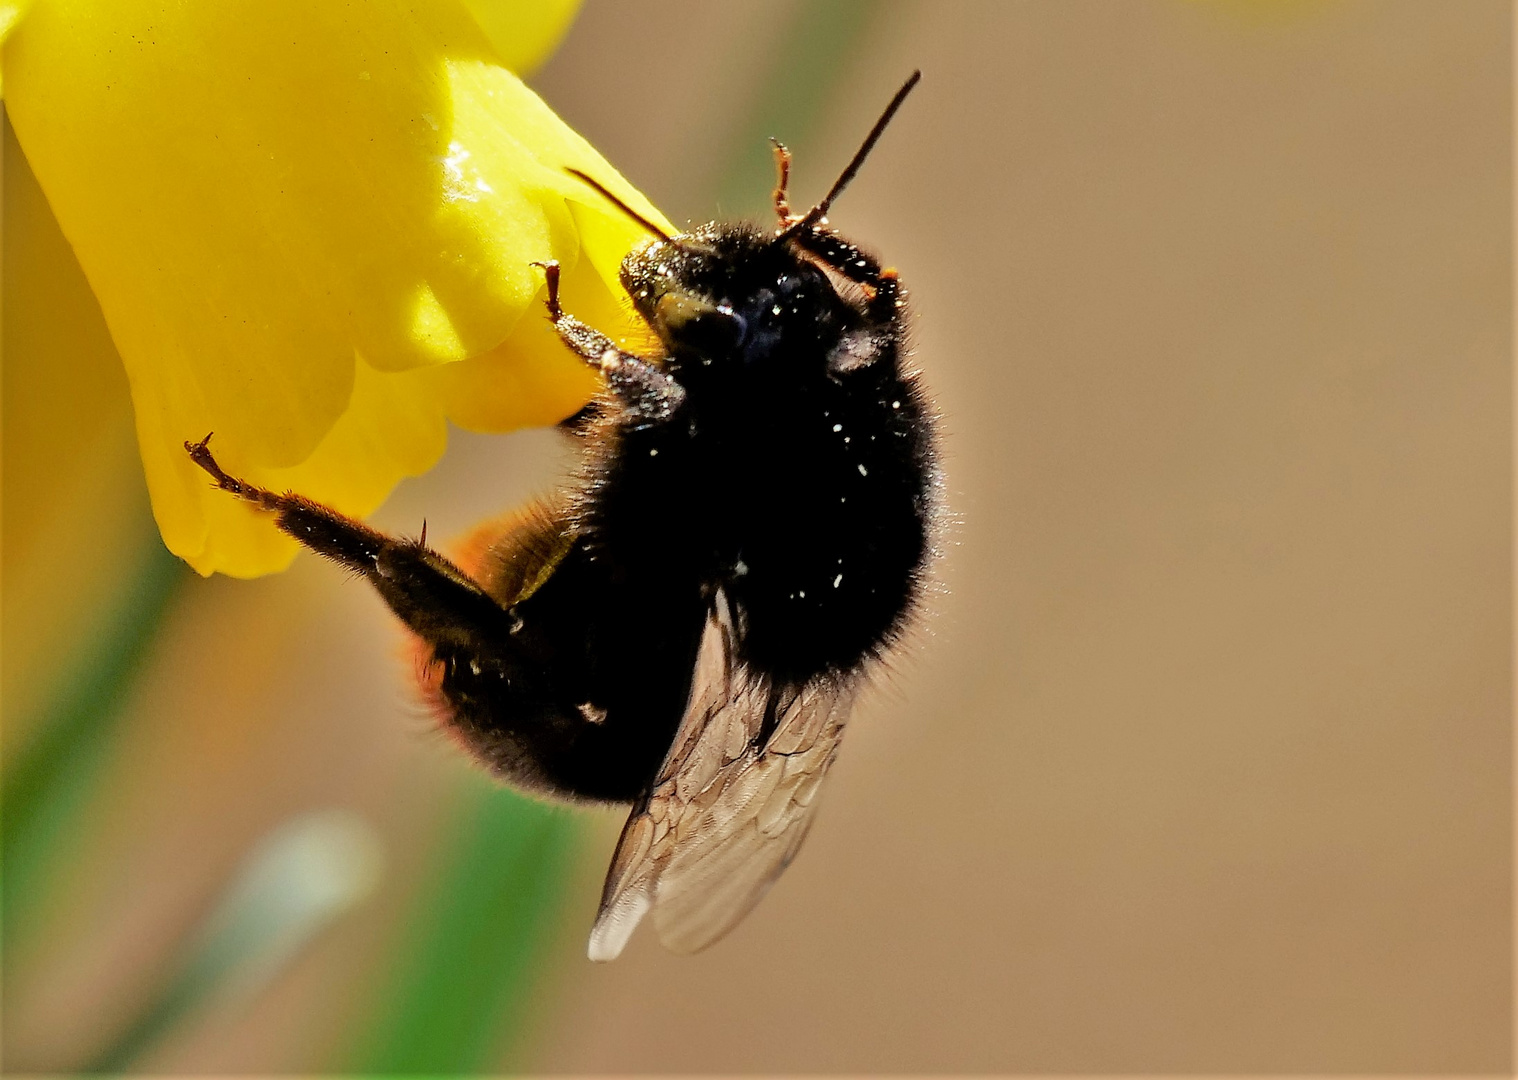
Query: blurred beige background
{"x": 1204, "y": 761}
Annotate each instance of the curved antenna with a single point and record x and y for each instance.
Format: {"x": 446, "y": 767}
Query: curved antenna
{"x": 816, "y": 213}
{"x": 620, "y": 205}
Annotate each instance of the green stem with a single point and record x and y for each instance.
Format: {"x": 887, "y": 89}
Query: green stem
{"x": 458, "y": 994}
{"x": 49, "y": 780}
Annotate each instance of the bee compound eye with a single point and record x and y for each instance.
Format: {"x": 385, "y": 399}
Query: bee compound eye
{"x": 699, "y": 324}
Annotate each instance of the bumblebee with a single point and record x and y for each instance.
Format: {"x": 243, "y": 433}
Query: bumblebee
{"x": 684, "y": 626}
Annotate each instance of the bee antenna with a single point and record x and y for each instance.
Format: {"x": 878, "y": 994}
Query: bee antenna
{"x": 816, "y": 213}
{"x": 620, "y": 205}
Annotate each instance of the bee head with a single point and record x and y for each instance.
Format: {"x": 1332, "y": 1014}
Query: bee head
{"x": 731, "y": 291}
{"x": 722, "y": 290}
{"x": 690, "y": 288}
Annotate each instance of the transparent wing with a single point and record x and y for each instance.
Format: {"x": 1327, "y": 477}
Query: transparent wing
{"x": 725, "y": 815}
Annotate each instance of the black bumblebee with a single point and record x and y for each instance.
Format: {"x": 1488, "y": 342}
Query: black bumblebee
{"x": 684, "y": 626}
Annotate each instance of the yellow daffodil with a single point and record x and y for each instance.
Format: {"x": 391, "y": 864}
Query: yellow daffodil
{"x": 310, "y": 228}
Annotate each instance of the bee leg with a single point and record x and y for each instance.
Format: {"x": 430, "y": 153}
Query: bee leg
{"x": 436, "y": 599}
{"x": 645, "y": 390}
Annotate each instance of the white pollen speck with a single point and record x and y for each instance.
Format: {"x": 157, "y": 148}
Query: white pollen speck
{"x": 895, "y": 404}
{"x": 802, "y": 594}
{"x": 837, "y": 581}
{"x": 846, "y": 440}
{"x": 653, "y": 452}
{"x": 863, "y": 471}
{"x": 775, "y": 310}
{"x": 837, "y": 427}
{"x": 740, "y": 568}
{"x": 474, "y": 667}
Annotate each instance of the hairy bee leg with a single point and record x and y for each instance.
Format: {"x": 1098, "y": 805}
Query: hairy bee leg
{"x": 493, "y": 691}
{"x": 648, "y": 392}
{"x": 436, "y": 599}
{"x": 840, "y": 255}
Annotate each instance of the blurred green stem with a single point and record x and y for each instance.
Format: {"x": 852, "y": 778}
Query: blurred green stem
{"x": 49, "y": 780}
{"x": 811, "y": 60}
{"x": 456, "y": 999}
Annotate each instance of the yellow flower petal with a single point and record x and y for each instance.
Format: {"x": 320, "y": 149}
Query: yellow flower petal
{"x": 289, "y": 212}
{"x": 522, "y": 44}
{"x": 494, "y": 391}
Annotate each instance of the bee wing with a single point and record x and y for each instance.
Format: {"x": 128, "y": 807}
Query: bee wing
{"x": 725, "y": 815}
